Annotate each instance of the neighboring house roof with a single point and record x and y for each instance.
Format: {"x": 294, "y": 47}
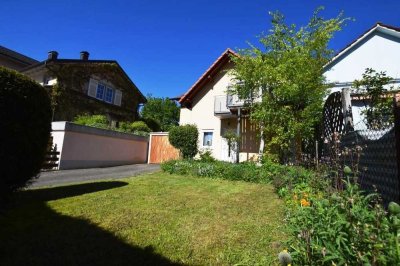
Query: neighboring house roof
{"x": 42, "y": 64}
{"x": 378, "y": 27}
{"x": 23, "y": 59}
{"x": 207, "y": 76}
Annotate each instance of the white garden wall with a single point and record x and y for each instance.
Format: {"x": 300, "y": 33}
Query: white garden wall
{"x": 88, "y": 147}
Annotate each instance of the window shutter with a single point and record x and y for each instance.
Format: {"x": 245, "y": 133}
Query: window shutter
{"x": 118, "y": 97}
{"x": 92, "y": 88}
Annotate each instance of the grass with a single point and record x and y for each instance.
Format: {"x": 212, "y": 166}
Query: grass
{"x": 154, "y": 219}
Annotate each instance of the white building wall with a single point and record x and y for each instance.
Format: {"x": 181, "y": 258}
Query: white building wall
{"x": 379, "y": 51}
{"x": 202, "y": 112}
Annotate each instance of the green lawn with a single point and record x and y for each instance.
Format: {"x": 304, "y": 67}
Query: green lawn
{"x": 154, "y": 219}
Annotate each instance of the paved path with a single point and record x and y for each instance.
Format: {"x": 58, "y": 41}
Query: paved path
{"x": 54, "y": 178}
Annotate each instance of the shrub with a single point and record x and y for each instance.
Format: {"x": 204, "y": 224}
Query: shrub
{"x": 249, "y": 172}
{"x": 185, "y": 138}
{"x": 206, "y": 156}
{"x": 25, "y": 123}
{"x": 153, "y": 124}
{"x": 99, "y": 121}
{"x": 139, "y": 126}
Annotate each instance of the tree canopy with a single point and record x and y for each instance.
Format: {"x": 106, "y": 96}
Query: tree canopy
{"x": 162, "y": 110}
{"x": 286, "y": 73}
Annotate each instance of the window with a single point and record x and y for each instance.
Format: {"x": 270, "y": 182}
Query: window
{"x": 207, "y": 139}
{"x": 100, "y": 91}
{"x": 109, "y": 95}
{"x": 104, "y": 92}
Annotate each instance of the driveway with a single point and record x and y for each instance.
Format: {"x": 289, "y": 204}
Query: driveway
{"x": 54, "y": 178}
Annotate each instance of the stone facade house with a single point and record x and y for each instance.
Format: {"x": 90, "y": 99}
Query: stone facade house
{"x": 84, "y": 86}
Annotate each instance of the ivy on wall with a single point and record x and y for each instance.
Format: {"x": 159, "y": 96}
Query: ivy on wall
{"x": 69, "y": 96}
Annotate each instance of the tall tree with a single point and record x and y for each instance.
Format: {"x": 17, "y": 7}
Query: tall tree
{"x": 286, "y": 72}
{"x": 163, "y": 110}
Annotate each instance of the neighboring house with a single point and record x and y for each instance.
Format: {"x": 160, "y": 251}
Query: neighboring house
{"x": 208, "y": 105}
{"x": 378, "y": 48}
{"x": 83, "y": 86}
{"x": 13, "y": 60}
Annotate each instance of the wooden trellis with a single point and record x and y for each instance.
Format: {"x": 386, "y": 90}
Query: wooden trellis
{"x": 333, "y": 118}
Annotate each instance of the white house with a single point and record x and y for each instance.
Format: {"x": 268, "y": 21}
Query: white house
{"x": 208, "y": 105}
{"x": 377, "y": 48}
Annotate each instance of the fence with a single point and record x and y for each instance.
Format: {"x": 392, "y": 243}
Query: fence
{"x": 160, "y": 149}
{"x": 378, "y": 161}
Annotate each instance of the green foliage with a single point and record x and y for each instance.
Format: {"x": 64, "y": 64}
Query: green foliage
{"x": 358, "y": 231}
{"x": 232, "y": 139}
{"x": 25, "y": 123}
{"x": 287, "y": 74}
{"x": 246, "y": 171}
{"x": 139, "y": 126}
{"x": 379, "y": 111}
{"x": 336, "y": 227}
{"x": 206, "y": 156}
{"x": 99, "y": 121}
{"x": 153, "y": 124}
{"x": 162, "y": 110}
{"x": 185, "y": 139}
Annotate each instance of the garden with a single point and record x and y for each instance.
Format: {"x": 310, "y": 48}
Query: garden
{"x": 323, "y": 225}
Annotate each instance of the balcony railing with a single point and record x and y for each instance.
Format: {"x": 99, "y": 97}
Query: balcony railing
{"x": 223, "y": 104}
{"x": 220, "y": 105}
{"x": 234, "y": 101}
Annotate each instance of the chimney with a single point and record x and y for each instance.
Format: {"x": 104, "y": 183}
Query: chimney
{"x": 52, "y": 55}
{"x": 84, "y": 55}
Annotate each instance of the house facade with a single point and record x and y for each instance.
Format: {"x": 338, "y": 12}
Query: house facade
{"x": 14, "y": 60}
{"x": 377, "y": 48}
{"x": 83, "y": 86}
{"x": 209, "y": 106}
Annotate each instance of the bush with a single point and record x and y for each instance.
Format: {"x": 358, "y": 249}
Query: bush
{"x": 153, "y": 124}
{"x": 139, "y": 126}
{"x": 206, "y": 156}
{"x": 25, "y": 123}
{"x": 247, "y": 171}
{"x": 99, "y": 121}
{"x": 185, "y": 138}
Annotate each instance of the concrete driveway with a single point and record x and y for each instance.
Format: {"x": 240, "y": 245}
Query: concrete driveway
{"x": 55, "y": 178}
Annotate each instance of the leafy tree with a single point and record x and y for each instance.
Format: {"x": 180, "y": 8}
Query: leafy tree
{"x": 185, "y": 139}
{"x": 162, "y": 110}
{"x": 379, "y": 109}
{"x": 25, "y": 123}
{"x": 286, "y": 73}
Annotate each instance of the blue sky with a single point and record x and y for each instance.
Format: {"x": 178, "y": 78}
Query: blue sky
{"x": 164, "y": 46}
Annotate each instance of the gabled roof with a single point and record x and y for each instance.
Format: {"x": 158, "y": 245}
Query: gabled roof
{"x": 42, "y": 64}
{"x": 17, "y": 56}
{"x": 208, "y": 75}
{"x": 378, "y": 27}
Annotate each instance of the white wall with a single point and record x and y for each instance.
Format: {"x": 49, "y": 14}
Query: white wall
{"x": 379, "y": 51}
{"x": 202, "y": 112}
{"x": 87, "y": 147}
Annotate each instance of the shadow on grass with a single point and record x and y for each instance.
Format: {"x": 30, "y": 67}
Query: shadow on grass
{"x": 33, "y": 234}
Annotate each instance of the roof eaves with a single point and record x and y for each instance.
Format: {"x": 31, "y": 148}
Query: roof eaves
{"x": 215, "y": 66}
{"x": 364, "y": 35}
{"x": 17, "y": 56}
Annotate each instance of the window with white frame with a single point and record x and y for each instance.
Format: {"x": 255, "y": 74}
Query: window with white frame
{"x": 104, "y": 93}
{"x": 109, "y": 95}
{"x": 100, "y": 91}
{"x": 207, "y": 138}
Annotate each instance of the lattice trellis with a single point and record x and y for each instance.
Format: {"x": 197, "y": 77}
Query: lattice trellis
{"x": 333, "y": 119}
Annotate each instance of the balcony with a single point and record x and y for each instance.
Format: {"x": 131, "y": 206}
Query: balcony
{"x": 220, "y": 105}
